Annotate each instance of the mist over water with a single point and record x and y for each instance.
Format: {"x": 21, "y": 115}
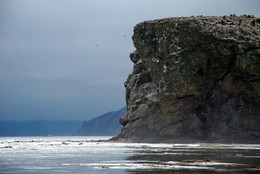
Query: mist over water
{"x": 88, "y": 155}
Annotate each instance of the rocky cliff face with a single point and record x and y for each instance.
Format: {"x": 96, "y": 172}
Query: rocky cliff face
{"x": 194, "y": 79}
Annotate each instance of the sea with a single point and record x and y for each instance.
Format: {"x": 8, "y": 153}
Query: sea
{"x": 72, "y": 154}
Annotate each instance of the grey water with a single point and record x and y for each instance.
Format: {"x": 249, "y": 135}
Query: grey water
{"x": 89, "y": 155}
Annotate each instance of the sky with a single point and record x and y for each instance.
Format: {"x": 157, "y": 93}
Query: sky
{"x": 69, "y": 59}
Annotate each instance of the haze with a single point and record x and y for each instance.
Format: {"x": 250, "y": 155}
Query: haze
{"x": 69, "y": 59}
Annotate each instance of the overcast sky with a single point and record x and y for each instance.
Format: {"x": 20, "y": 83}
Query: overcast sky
{"x": 68, "y": 59}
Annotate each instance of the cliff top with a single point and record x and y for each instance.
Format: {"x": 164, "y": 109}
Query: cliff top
{"x": 238, "y": 28}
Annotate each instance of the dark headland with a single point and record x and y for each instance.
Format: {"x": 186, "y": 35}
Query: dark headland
{"x": 195, "y": 79}
{"x": 104, "y": 125}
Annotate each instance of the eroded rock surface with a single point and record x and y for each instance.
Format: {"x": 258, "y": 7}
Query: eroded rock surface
{"x": 194, "y": 79}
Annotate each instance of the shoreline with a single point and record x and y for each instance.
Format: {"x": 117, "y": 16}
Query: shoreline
{"x": 183, "y": 141}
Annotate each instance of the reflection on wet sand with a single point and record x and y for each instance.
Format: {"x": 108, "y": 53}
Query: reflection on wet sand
{"x": 205, "y": 158}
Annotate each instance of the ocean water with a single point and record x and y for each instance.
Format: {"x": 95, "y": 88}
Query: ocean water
{"x": 87, "y": 155}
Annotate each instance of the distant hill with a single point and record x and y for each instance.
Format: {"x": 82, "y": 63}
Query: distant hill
{"x": 39, "y": 128}
{"x": 104, "y": 125}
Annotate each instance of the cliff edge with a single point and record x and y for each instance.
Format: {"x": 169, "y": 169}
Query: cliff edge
{"x": 194, "y": 79}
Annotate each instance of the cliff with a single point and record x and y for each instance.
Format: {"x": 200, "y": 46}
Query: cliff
{"x": 104, "y": 125}
{"x": 194, "y": 79}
